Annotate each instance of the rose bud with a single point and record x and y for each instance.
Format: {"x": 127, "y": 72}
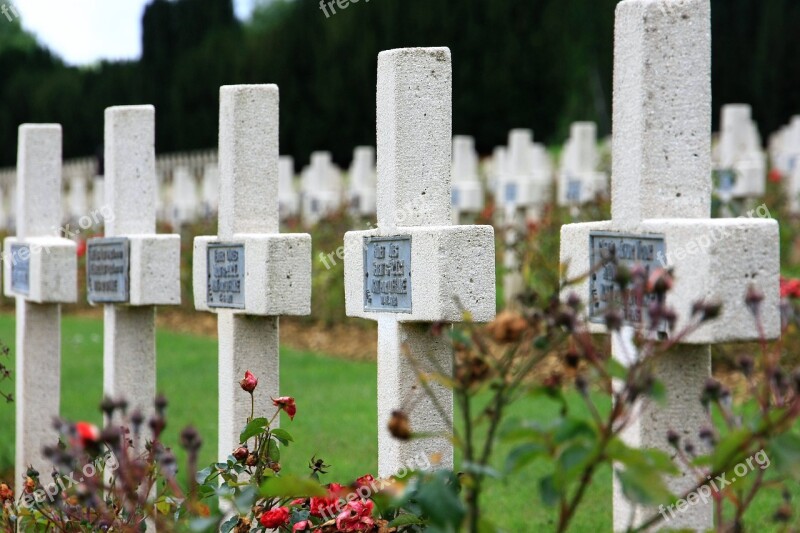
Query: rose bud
{"x": 274, "y": 466}
{"x": 249, "y": 382}
{"x": 161, "y": 404}
{"x": 364, "y": 481}
{"x": 660, "y": 282}
{"x": 190, "y": 439}
{"x": 251, "y": 460}
{"x": 673, "y": 438}
{"x": 275, "y": 518}
{"x": 86, "y": 434}
{"x": 399, "y": 426}
{"x": 286, "y": 403}
{"x": 6, "y": 494}
{"x": 754, "y": 298}
{"x": 241, "y": 453}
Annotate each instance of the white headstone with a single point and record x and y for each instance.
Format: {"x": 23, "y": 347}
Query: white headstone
{"x": 78, "y": 197}
{"x": 40, "y": 272}
{"x": 249, "y": 274}
{"x": 363, "y": 181}
{"x": 742, "y": 164}
{"x": 467, "y": 191}
{"x": 131, "y": 269}
{"x": 288, "y": 199}
{"x": 98, "y": 193}
{"x": 661, "y": 197}
{"x": 452, "y": 266}
{"x": 184, "y": 197}
{"x": 322, "y": 188}
{"x": 579, "y": 181}
{"x": 210, "y": 189}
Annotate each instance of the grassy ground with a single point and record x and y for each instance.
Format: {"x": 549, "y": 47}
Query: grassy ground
{"x": 336, "y": 418}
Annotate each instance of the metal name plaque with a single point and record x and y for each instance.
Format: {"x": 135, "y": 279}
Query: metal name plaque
{"x": 629, "y": 250}
{"x": 20, "y": 268}
{"x": 226, "y": 276}
{"x": 107, "y": 270}
{"x": 387, "y": 274}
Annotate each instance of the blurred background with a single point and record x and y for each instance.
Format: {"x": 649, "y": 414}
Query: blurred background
{"x": 517, "y": 63}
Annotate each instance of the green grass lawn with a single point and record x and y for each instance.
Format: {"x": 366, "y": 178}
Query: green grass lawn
{"x": 336, "y": 418}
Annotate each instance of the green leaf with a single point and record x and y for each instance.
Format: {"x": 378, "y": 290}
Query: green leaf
{"x": 283, "y": 436}
{"x": 406, "y": 520}
{"x": 548, "y": 492}
{"x": 571, "y": 428}
{"x": 291, "y": 487}
{"x": 643, "y": 486}
{"x": 730, "y": 450}
{"x": 255, "y": 427}
{"x": 523, "y": 455}
{"x": 202, "y": 476}
{"x": 273, "y": 452}
{"x": 785, "y": 450}
{"x": 228, "y": 525}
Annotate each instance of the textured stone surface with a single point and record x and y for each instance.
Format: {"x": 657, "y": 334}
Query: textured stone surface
{"x": 277, "y": 267}
{"x": 278, "y": 274}
{"x": 449, "y": 264}
{"x": 38, "y": 335}
{"x": 155, "y": 263}
{"x": 414, "y": 128}
{"x": 52, "y": 270}
{"x": 662, "y": 185}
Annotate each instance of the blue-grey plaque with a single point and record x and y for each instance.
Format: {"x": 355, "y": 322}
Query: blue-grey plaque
{"x": 648, "y": 251}
{"x": 226, "y": 276}
{"x": 573, "y": 189}
{"x": 20, "y": 268}
{"x": 511, "y": 193}
{"x": 107, "y": 270}
{"x": 387, "y": 274}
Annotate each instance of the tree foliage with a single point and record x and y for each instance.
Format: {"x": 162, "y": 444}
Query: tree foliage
{"x": 535, "y": 63}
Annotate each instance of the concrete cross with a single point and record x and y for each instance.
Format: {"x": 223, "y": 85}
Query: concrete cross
{"x": 661, "y": 203}
{"x": 131, "y": 269}
{"x": 40, "y": 271}
{"x": 416, "y": 268}
{"x": 249, "y": 274}
{"x": 579, "y": 182}
{"x": 742, "y": 164}
{"x": 467, "y": 195}
{"x": 362, "y": 182}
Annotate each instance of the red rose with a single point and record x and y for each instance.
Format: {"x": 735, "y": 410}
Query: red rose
{"x": 81, "y": 247}
{"x": 86, "y": 434}
{"x": 790, "y": 288}
{"x": 6, "y": 494}
{"x": 365, "y": 481}
{"x": 325, "y": 507}
{"x": 356, "y": 516}
{"x": 287, "y": 404}
{"x": 249, "y": 382}
{"x": 275, "y": 518}
{"x": 775, "y": 175}
{"x": 303, "y": 525}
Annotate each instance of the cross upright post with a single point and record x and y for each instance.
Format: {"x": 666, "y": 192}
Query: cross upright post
{"x": 661, "y": 203}
{"x": 249, "y": 274}
{"x": 416, "y": 268}
{"x": 40, "y": 272}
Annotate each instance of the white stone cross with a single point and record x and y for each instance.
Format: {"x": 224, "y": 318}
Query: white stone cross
{"x": 288, "y": 198}
{"x": 742, "y": 164}
{"x": 661, "y": 196}
{"x": 184, "y": 196}
{"x": 416, "y": 268}
{"x": 579, "y": 182}
{"x": 249, "y": 274}
{"x": 322, "y": 188}
{"x": 209, "y": 189}
{"x": 362, "y": 181}
{"x": 467, "y": 195}
{"x": 40, "y": 271}
{"x": 131, "y": 269}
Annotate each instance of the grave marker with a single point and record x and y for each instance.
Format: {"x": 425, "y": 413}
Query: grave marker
{"x": 131, "y": 269}
{"x": 40, "y": 272}
{"x": 661, "y": 190}
{"x": 416, "y": 268}
{"x": 249, "y": 274}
